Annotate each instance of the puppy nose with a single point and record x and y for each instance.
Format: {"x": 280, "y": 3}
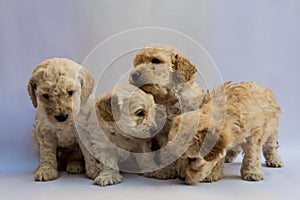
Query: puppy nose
{"x": 182, "y": 178}
{"x": 61, "y": 117}
{"x": 135, "y": 76}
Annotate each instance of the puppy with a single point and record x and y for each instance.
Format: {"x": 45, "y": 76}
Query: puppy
{"x": 59, "y": 90}
{"x": 124, "y": 121}
{"x": 168, "y": 75}
{"x": 234, "y": 116}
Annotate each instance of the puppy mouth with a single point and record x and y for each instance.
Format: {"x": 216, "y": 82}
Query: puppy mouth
{"x": 61, "y": 117}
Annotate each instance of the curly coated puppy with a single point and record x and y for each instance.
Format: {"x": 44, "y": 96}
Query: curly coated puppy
{"x": 169, "y": 76}
{"x": 60, "y": 90}
{"x": 124, "y": 122}
{"x": 234, "y": 116}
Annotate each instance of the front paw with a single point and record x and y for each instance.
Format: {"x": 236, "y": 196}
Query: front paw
{"x": 45, "y": 173}
{"x": 108, "y": 178}
{"x": 75, "y": 167}
{"x": 213, "y": 177}
{"x": 253, "y": 176}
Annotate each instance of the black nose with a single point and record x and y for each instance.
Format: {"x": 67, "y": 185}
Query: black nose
{"x": 182, "y": 178}
{"x": 135, "y": 76}
{"x": 61, "y": 117}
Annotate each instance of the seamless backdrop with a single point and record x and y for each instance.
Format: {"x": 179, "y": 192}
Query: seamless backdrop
{"x": 254, "y": 40}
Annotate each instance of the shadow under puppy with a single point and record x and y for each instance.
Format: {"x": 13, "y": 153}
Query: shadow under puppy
{"x": 233, "y": 116}
{"x": 124, "y": 121}
{"x": 60, "y": 91}
{"x": 165, "y": 73}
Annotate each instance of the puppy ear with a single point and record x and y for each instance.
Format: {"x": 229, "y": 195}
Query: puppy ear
{"x": 183, "y": 66}
{"x": 214, "y": 144}
{"x": 138, "y": 59}
{"x": 107, "y": 108}
{"x": 87, "y": 83}
{"x": 32, "y": 85}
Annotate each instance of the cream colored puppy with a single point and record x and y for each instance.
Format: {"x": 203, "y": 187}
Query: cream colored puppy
{"x": 234, "y": 116}
{"x": 124, "y": 122}
{"x": 60, "y": 91}
{"x": 168, "y": 75}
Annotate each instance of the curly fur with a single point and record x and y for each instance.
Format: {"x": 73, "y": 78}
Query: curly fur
{"x": 168, "y": 75}
{"x": 59, "y": 89}
{"x": 247, "y": 120}
{"x": 123, "y": 122}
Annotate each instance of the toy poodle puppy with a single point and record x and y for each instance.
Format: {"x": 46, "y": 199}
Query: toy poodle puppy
{"x": 123, "y": 124}
{"x": 60, "y": 91}
{"x": 233, "y": 116}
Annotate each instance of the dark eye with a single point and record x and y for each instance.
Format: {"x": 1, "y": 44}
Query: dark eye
{"x": 46, "y": 96}
{"x": 71, "y": 92}
{"x": 140, "y": 113}
{"x": 191, "y": 159}
{"x": 155, "y": 61}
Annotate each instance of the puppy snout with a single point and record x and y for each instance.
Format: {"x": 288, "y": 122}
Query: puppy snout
{"x": 136, "y": 76}
{"x": 153, "y": 130}
{"x": 61, "y": 117}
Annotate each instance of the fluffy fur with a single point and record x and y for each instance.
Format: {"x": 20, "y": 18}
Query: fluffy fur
{"x": 168, "y": 75}
{"x": 124, "y": 120}
{"x": 60, "y": 90}
{"x": 234, "y": 116}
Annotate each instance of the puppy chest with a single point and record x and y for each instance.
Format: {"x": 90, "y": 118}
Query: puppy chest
{"x": 66, "y": 137}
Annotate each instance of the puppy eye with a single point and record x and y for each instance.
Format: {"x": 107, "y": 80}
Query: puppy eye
{"x": 71, "y": 92}
{"x": 140, "y": 113}
{"x": 46, "y": 96}
{"x": 191, "y": 159}
{"x": 155, "y": 61}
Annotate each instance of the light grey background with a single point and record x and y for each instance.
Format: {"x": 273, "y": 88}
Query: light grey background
{"x": 255, "y": 40}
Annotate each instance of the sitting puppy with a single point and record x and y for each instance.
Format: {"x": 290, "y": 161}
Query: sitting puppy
{"x": 124, "y": 122}
{"x": 60, "y": 90}
{"x": 166, "y": 74}
{"x": 243, "y": 115}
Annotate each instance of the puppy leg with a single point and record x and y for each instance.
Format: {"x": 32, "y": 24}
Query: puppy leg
{"x": 216, "y": 173}
{"x": 251, "y": 167}
{"x": 46, "y": 143}
{"x": 91, "y": 168}
{"x": 109, "y": 175}
{"x": 270, "y": 152}
{"x": 75, "y": 164}
{"x": 232, "y": 153}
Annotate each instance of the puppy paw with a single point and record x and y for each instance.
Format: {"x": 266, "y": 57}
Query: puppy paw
{"x": 276, "y": 162}
{"x": 212, "y": 178}
{"x": 253, "y": 176}
{"x": 45, "y": 173}
{"x": 75, "y": 167}
{"x": 108, "y": 178}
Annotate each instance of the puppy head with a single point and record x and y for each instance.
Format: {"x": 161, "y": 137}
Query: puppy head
{"x": 59, "y": 86}
{"x": 159, "y": 66}
{"x": 131, "y": 111}
{"x": 206, "y": 147}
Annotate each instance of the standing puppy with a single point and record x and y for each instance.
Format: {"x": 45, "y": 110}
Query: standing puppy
{"x": 59, "y": 90}
{"x": 234, "y": 116}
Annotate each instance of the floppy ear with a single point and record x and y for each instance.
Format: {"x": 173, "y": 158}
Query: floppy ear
{"x": 214, "y": 144}
{"x": 87, "y": 83}
{"x": 184, "y": 67}
{"x": 32, "y": 85}
{"x": 137, "y": 59}
{"x": 107, "y": 108}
